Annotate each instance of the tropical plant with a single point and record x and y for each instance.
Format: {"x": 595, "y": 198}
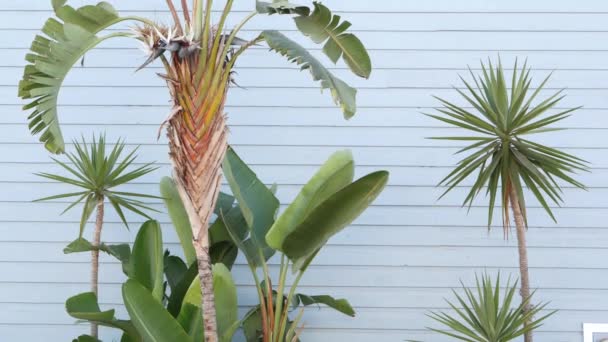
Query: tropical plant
{"x": 198, "y": 71}
{"x": 486, "y": 316}
{"x": 502, "y": 155}
{"x": 328, "y": 203}
{"x": 162, "y": 303}
{"x": 97, "y": 174}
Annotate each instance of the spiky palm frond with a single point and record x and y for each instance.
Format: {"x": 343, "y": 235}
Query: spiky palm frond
{"x": 500, "y": 152}
{"x": 484, "y": 315}
{"x": 97, "y": 174}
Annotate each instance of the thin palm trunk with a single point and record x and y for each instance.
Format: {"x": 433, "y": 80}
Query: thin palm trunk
{"x": 95, "y": 258}
{"x": 197, "y": 167}
{"x": 523, "y": 255}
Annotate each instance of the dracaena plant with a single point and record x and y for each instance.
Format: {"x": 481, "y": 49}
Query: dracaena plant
{"x": 97, "y": 174}
{"x": 327, "y": 203}
{"x": 502, "y": 124}
{"x": 198, "y": 57}
{"x": 487, "y": 314}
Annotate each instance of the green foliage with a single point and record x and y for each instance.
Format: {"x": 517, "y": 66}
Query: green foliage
{"x": 258, "y": 204}
{"x": 122, "y": 251}
{"x": 343, "y": 94}
{"x": 52, "y": 55}
{"x": 334, "y": 175}
{"x": 96, "y": 173}
{"x": 499, "y": 152}
{"x": 151, "y": 319}
{"x": 73, "y": 32}
{"x": 179, "y": 217}
{"x": 323, "y": 26}
{"x": 156, "y": 315}
{"x": 147, "y": 259}
{"x": 85, "y": 307}
{"x": 486, "y": 316}
{"x": 326, "y": 204}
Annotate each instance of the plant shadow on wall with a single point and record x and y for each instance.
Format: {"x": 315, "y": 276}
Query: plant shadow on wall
{"x": 162, "y": 292}
{"x": 197, "y": 58}
{"x": 504, "y": 159}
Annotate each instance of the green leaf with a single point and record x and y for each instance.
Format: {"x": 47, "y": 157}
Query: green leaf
{"x": 257, "y": 203}
{"x": 225, "y": 302}
{"x": 191, "y": 319}
{"x": 336, "y": 173}
{"x": 331, "y": 216}
{"x": 179, "y": 217}
{"x": 85, "y": 307}
{"x": 322, "y": 26}
{"x": 53, "y": 53}
{"x": 178, "y": 292}
{"x": 342, "y": 93}
{"x": 280, "y": 7}
{"x": 153, "y": 322}
{"x": 505, "y": 116}
{"x": 147, "y": 258}
{"x": 122, "y": 252}
{"x": 175, "y": 269}
{"x": 340, "y": 305}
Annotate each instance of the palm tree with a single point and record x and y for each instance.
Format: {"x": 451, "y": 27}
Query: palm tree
{"x": 503, "y": 156}
{"x": 96, "y": 174}
{"x": 198, "y": 58}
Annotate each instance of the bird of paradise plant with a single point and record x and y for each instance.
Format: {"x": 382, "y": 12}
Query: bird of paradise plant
{"x": 198, "y": 58}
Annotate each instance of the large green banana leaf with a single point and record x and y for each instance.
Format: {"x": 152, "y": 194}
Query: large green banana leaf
{"x": 64, "y": 41}
{"x": 336, "y": 173}
{"x": 343, "y": 94}
{"x": 179, "y": 217}
{"x": 152, "y": 320}
{"x": 85, "y": 307}
{"x": 147, "y": 264}
{"x": 323, "y": 26}
{"x": 257, "y": 203}
{"x": 331, "y": 216}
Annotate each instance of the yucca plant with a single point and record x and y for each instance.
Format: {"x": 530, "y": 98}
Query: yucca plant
{"x": 198, "y": 58}
{"x": 484, "y": 315}
{"x": 97, "y": 174}
{"x": 501, "y": 153}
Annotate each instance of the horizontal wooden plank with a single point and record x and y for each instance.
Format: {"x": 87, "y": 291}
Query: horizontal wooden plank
{"x": 285, "y": 117}
{"x": 362, "y": 5}
{"x": 323, "y": 318}
{"x": 377, "y": 21}
{"x": 391, "y": 196}
{"x": 281, "y": 174}
{"x": 250, "y": 78}
{"x": 444, "y": 40}
{"x": 297, "y": 155}
{"x": 325, "y": 136}
{"x": 324, "y": 276}
{"x": 382, "y": 59}
{"x": 360, "y": 298}
{"x": 308, "y": 97}
{"x": 380, "y": 234}
{"x": 373, "y": 256}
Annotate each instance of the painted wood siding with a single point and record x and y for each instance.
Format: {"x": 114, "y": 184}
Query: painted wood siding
{"x": 404, "y": 254}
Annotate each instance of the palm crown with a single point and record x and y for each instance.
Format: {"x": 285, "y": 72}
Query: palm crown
{"x": 500, "y": 150}
{"x": 97, "y": 173}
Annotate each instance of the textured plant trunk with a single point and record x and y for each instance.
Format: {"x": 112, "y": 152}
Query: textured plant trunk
{"x": 523, "y": 256}
{"x": 197, "y": 166}
{"x": 95, "y": 258}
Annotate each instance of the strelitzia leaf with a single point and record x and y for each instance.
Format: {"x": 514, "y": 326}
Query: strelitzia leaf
{"x": 60, "y": 45}
{"x": 342, "y": 93}
{"x": 324, "y": 27}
